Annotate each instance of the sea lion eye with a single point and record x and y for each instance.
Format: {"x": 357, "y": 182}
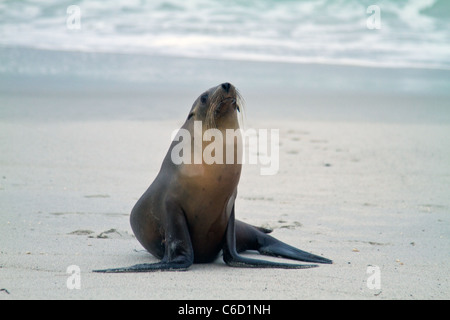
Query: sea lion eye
{"x": 204, "y": 98}
{"x": 190, "y": 115}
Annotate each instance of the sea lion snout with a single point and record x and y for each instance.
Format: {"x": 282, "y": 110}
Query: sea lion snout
{"x": 226, "y": 86}
{"x": 224, "y": 99}
{"x": 225, "y": 91}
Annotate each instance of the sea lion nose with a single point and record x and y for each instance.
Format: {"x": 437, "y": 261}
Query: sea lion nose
{"x": 226, "y": 86}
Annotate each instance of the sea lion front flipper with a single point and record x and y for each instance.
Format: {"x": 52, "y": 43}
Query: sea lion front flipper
{"x": 149, "y": 267}
{"x": 233, "y": 259}
{"x": 178, "y": 253}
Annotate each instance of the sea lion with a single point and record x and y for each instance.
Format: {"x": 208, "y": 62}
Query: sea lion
{"x": 187, "y": 215}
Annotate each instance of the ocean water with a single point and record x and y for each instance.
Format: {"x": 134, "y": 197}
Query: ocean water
{"x": 408, "y": 33}
{"x": 142, "y": 59}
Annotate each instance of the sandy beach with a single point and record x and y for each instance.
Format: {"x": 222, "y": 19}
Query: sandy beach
{"x": 364, "y": 187}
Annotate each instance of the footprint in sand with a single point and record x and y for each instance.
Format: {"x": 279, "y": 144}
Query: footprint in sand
{"x": 108, "y": 234}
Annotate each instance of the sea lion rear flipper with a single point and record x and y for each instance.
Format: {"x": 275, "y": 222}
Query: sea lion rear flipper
{"x": 233, "y": 259}
{"x": 249, "y": 237}
{"x": 178, "y": 253}
{"x": 276, "y": 248}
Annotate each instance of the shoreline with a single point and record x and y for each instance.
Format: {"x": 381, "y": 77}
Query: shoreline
{"x": 326, "y": 63}
{"x": 141, "y": 70}
{"x": 61, "y": 86}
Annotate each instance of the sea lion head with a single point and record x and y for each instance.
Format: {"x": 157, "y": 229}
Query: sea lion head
{"x": 217, "y": 107}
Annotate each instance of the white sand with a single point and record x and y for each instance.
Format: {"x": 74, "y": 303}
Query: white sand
{"x": 362, "y": 194}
